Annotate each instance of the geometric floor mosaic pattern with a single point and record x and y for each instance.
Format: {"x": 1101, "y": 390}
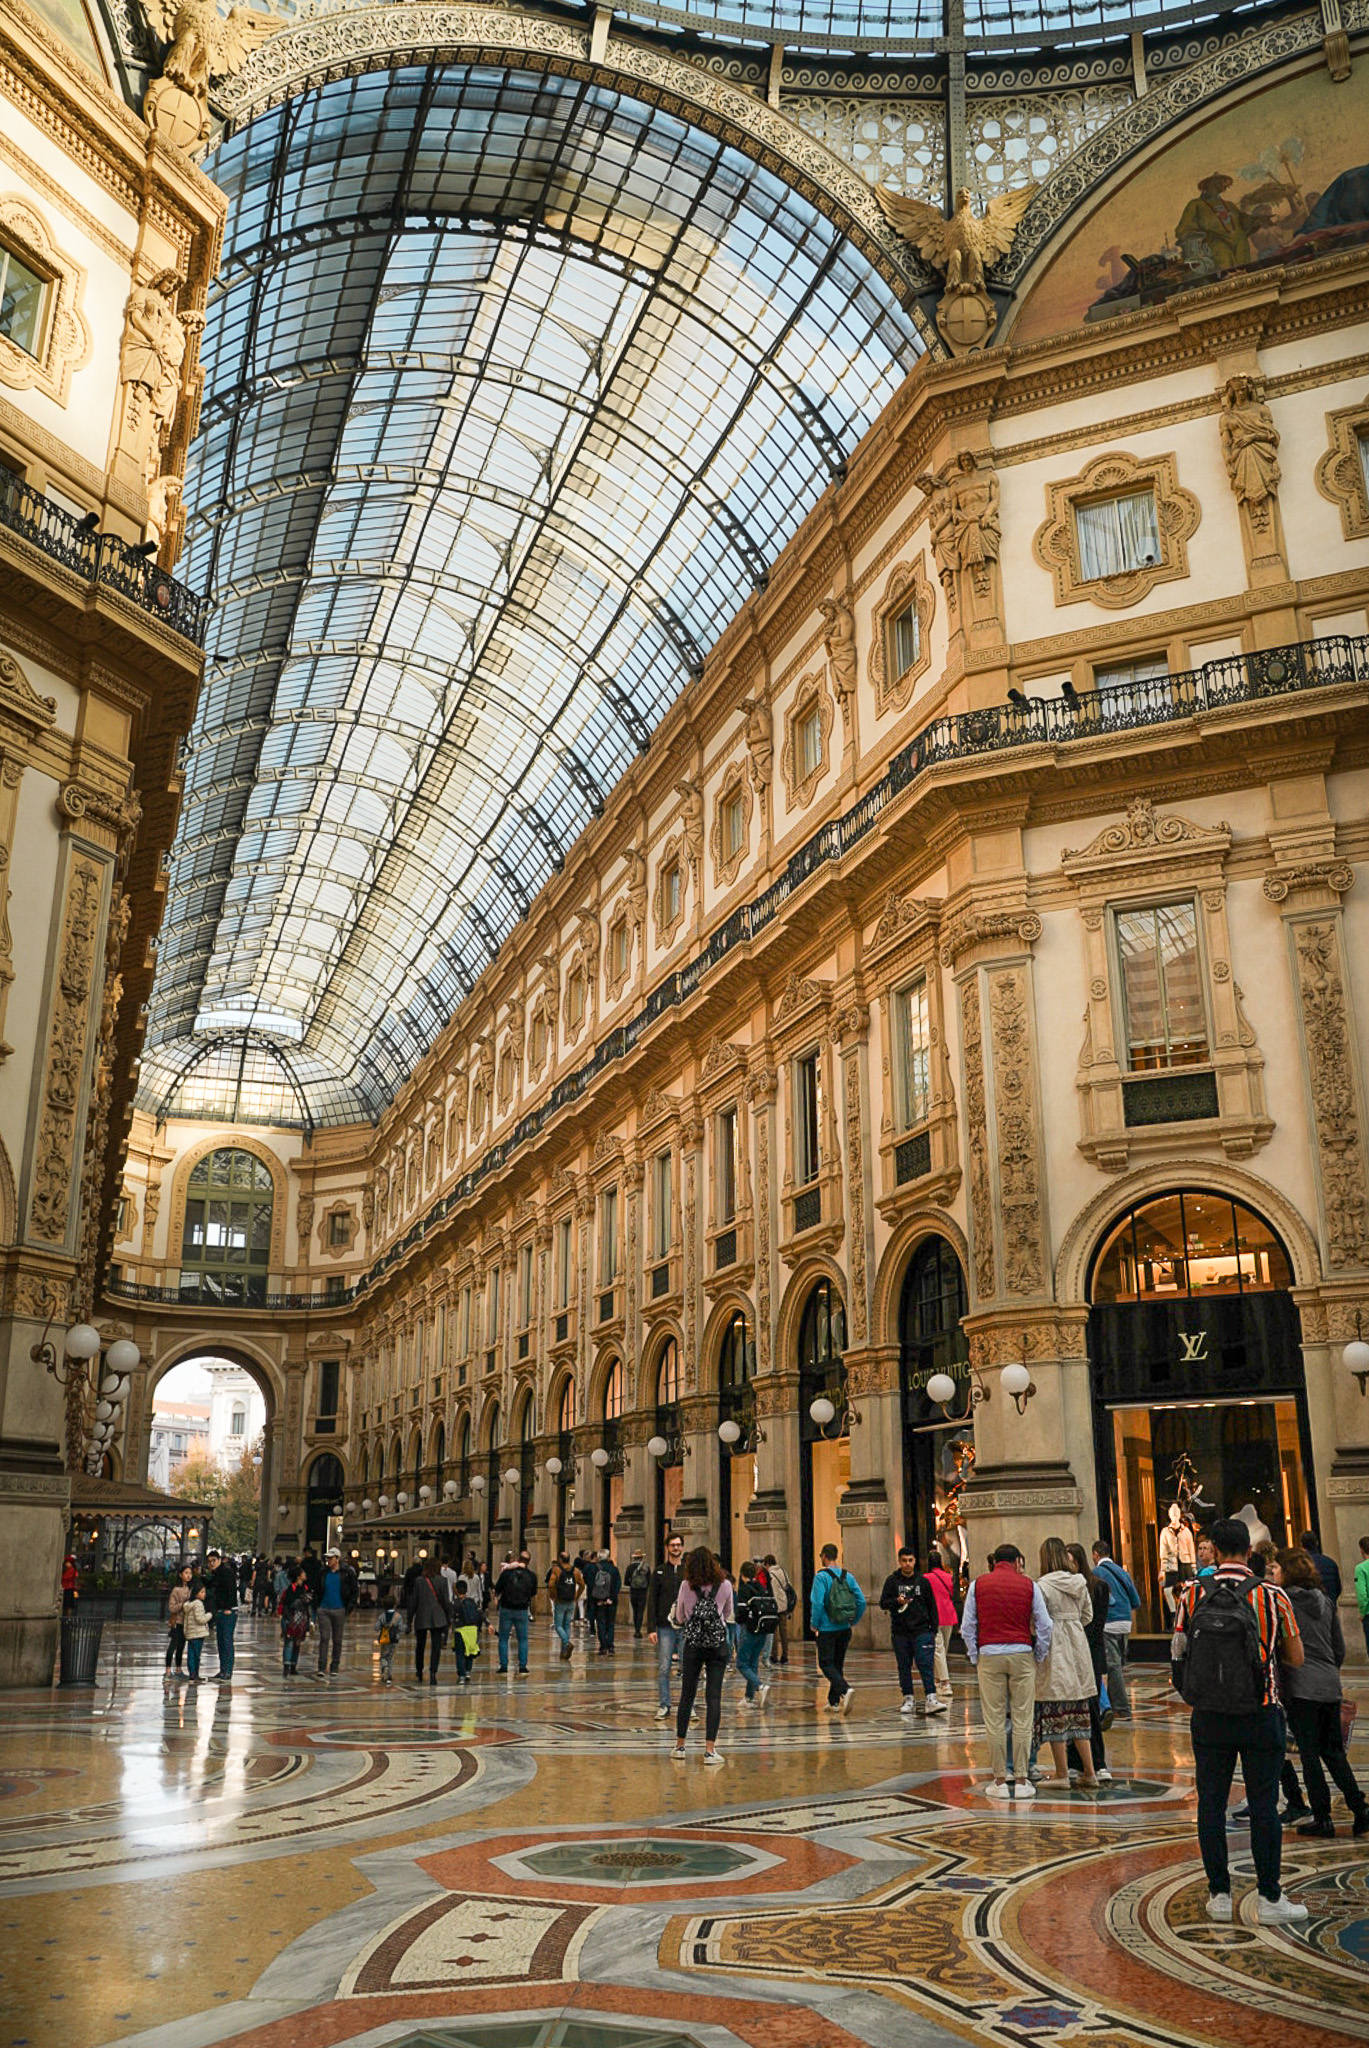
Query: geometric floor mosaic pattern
{"x": 330, "y": 1864}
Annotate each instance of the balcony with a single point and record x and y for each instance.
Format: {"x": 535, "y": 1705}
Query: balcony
{"x": 101, "y": 560}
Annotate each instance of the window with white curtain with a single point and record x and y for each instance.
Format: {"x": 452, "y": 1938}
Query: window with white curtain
{"x": 913, "y": 1047}
{"x": 1162, "y": 993}
{"x": 1116, "y": 535}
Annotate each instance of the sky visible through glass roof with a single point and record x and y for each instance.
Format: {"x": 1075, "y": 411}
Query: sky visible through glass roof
{"x": 514, "y": 389}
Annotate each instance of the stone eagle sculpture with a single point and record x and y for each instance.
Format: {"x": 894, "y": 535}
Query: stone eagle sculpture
{"x": 204, "y": 45}
{"x": 961, "y": 248}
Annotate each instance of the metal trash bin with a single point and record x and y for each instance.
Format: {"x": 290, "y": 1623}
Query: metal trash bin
{"x": 80, "y": 1649}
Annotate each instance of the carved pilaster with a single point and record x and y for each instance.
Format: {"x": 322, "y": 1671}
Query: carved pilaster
{"x": 977, "y": 1140}
{"x": 689, "y": 1145}
{"x": 1333, "y": 1086}
{"x": 58, "y": 1142}
{"x": 761, "y": 1089}
{"x": 1020, "y": 1185}
{"x": 857, "y": 1165}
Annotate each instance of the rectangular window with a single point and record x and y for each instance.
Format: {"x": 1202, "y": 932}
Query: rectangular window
{"x": 807, "y": 1156}
{"x": 608, "y": 1237}
{"x": 575, "y": 1000}
{"x": 670, "y": 892}
{"x": 618, "y": 949}
{"x": 539, "y": 1039}
{"x": 661, "y": 1198}
{"x": 337, "y": 1230}
{"x": 524, "y": 1286}
{"x": 121, "y": 1217}
{"x": 328, "y": 1386}
{"x": 1162, "y": 993}
{"x": 465, "y": 1322}
{"x": 492, "y": 1307}
{"x": 1117, "y": 535}
{"x": 334, "y": 1286}
{"x": 913, "y": 1053}
{"x": 734, "y": 825}
{"x": 1362, "y": 443}
{"x": 23, "y": 302}
{"x": 563, "y": 1260}
{"x": 808, "y": 742}
{"x": 725, "y": 1165}
{"x": 905, "y": 639}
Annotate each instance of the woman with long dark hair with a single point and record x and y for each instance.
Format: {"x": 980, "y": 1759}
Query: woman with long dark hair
{"x": 1312, "y": 1697}
{"x": 702, "y": 1611}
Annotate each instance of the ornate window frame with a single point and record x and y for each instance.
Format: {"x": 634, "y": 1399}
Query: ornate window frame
{"x": 230, "y": 1139}
{"x": 616, "y": 979}
{"x": 908, "y": 583}
{"x": 1339, "y": 474}
{"x": 325, "y": 1230}
{"x": 66, "y": 337}
{"x": 1117, "y": 474}
{"x": 811, "y": 693}
{"x": 735, "y": 785}
{"x": 538, "y": 1020}
{"x": 1150, "y": 859}
{"x": 577, "y": 964}
{"x": 673, "y": 854}
{"x": 919, "y": 1162}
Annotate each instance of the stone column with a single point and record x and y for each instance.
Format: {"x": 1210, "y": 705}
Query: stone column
{"x": 691, "y": 1315}
{"x": 630, "y": 1527}
{"x": 696, "y": 1518}
{"x": 866, "y": 1511}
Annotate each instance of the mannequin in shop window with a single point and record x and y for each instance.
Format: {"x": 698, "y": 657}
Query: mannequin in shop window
{"x": 1178, "y": 1555}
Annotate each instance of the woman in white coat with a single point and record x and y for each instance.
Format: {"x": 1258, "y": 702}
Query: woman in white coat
{"x": 1065, "y": 1682}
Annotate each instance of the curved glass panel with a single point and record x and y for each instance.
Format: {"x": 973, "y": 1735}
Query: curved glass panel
{"x": 515, "y": 387}
{"x": 891, "y": 25}
{"x": 1189, "y": 1245}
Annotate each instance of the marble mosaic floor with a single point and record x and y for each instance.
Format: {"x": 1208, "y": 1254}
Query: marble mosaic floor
{"x": 521, "y": 1865}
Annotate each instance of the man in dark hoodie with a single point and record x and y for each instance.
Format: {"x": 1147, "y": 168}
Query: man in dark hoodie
{"x": 910, "y": 1603}
{"x": 221, "y": 1598}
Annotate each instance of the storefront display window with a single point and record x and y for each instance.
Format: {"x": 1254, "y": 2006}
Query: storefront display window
{"x": 938, "y": 1442}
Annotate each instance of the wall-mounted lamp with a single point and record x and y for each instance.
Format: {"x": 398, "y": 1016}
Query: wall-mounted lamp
{"x": 1017, "y": 1381}
{"x": 729, "y": 1431}
{"x": 477, "y": 1482}
{"x": 450, "y": 1489}
{"x": 512, "y": 1476}
{"x": 1355, "y": 1357}
{"x": 656, "y": 1446}
{"x": 824, "y": 1413}
{"x": 553, "y": 1466}
{"x": 384, "y": 1503}
{"x": 425, "y": 1493}
{"x": 368, "y": 1507}
{"x": 401, "y": 1501}
{"x": 598, "y": 1457}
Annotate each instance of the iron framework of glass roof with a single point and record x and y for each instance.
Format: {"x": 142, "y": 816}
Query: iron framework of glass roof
{"x": 893, "y": 27}
{"x": 515, "y": 387}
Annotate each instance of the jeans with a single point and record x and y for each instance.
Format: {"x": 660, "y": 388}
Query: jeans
{"x": 922, "y": 1648}
{"x": 1007, "y": 1679}
{"x": 561, "y": 1613}
{"x": 637, "y": 1595}
{"x": 175, "y": 1646}
{"x": 329, "y": 1622}
{"x": 833, "y": 1643}
{"x": 1364, "y": 1624}
{"x": 193, "y": 1653}
{"x": 438, "y": 1637}
{"x": 605, "y": 1621}
{"x": 1257, "y": 1740}
{"x": 714, "y": 1668}
{"x": 1097, "y": 1747}
{"x": 749, "y": 1648}
{"x": 224, "y": 1625}
{"x": 666, "y": 1639}
{"x": 513, "y": 1620}
{"x": 1315, "y": 1726}
{"x": 463, "y": 1657}
{"x": 1115, "y": 1649}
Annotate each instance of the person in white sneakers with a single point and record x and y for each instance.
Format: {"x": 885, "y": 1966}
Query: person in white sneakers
{"x": 1232, "y": 1632}
{"x": 1007, "y": 1630}
{"x": 910, "y": 1603}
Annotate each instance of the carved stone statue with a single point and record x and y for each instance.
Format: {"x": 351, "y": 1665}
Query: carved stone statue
{"x": 966, "y": 532}
{"x": 960, "y": 248}
{"x": 150, "y": 360}
{"x": 163, "y": 493}
{"x": 551, "y": 991}
{"x": 204, "y": 45}
{"x": 839, "y": 638}
{"x": 637, "y": 890}
{"x": 1250, "y": 446}
{"x": 692, "y": 796}
{"x": 760, "y": 740}
{"x": 590, "y": 940}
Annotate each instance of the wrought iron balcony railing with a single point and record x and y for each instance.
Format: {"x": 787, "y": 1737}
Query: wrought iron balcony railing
{"x": 1057, "y": 722}
{"x": 100, "y": 559}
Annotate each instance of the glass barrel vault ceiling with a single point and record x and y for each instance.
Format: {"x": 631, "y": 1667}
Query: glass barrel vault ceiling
{"x": 514, "y": 389}
{"x": 889, "y": 26}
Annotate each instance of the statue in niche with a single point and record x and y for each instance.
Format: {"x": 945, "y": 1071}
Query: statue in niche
{"x": 692, "y": 796}
{"x": 1250, "y": 447}
{"x": 839, "y": 638}
{"x": 150, "y": 359}
{"x": 760, "y": 740}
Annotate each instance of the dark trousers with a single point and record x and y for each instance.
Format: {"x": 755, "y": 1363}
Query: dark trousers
{"x": 175, "y": 1644}
{"x": 638, "y": 1599}
{"x": 919, "y": 1649}
{"x": 714, "y": 1668}
{"x": 224, "y": 1624}
{"x": 1256, "y": 1741}
{"x": 833, "y": 1643}
{"x": 1315, "y": 1726}
{"x": 421, "y": 1636}
{"x": 1096, "y": 1745}
{"x": 605, "y": 1614}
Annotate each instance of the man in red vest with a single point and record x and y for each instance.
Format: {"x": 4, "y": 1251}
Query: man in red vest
{"x": 1007, "y": 1633}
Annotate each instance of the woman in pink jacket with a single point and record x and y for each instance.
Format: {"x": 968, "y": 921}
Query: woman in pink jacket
{"x": 943, "y": 1585}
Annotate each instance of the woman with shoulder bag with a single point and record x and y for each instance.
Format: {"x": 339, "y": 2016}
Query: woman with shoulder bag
{"x": 702, "y": 1611}
{"x": 1065, "y": 1682}
{"x": 1312, "y": 1698}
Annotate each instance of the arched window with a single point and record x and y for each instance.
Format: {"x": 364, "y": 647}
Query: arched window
{"x": 323, "y": 1497}
{"x": 822, "y": 1333}
{"x": 463, "y": 1455}
{"x": 930, "y": 1314}
{"x": 737, "y": 1356}
{"x": 1189, "y": 1246}
{"x": 613, "y": 1392}
{"x": 668, "y": 1375}
{"x": 238, "y": 1425}
{"x": 418, "y": 1468}
{"x": 565, "y": 1420}
{"x": 439, "y": 1459}
{"x": 226, "y": 1242}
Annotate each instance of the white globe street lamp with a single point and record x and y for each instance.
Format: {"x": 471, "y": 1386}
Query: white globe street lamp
{"x": 729, "y": 1431}
{"x": 554, "y": 1465}
{"x": 657, "y": 1446}
{"x": 598, "y": 1457}
{"x": 941, "y": 1389}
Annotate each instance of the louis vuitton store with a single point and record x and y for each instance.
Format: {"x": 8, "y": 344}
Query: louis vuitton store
{"x": 1200, "y": 1401}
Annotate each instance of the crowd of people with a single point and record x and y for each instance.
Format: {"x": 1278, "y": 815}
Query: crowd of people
{"x": 1256, "y": 1654}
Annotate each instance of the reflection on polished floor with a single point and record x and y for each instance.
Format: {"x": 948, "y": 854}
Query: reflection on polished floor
{"x": 520, "y": 1865}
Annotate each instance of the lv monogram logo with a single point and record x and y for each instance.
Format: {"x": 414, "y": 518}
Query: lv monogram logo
{"x": 1195, "y": 1346}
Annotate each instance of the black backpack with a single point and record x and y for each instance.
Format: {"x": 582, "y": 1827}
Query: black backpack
{"x": 704, "y": 1629}
{"x": 1223, "y": 1670}
{"x": 565, "y": 1588}
{"x": 763, "y": 1613}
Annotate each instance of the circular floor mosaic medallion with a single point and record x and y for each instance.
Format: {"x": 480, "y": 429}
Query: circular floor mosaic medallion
{"x": 554, "y": 2033}
{"x": 647, "y": 1861}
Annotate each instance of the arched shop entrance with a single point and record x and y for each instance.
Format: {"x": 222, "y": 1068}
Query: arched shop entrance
{"x": 670, "y": 1463}
{"x": 736, "y": 1437}
{"x": 563, "y": 1505}
{"x": 323, "y": 1502}
{"x": 824, "y": 1439}
{"x": 1195, "y": 1353}
{"x": 607, "y": 1459}
{"x": 938, "y": 1441}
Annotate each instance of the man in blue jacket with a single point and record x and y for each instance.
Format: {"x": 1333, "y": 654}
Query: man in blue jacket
{"x": 835, "y": 1605}
{"x": 1123, "y": 1602}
